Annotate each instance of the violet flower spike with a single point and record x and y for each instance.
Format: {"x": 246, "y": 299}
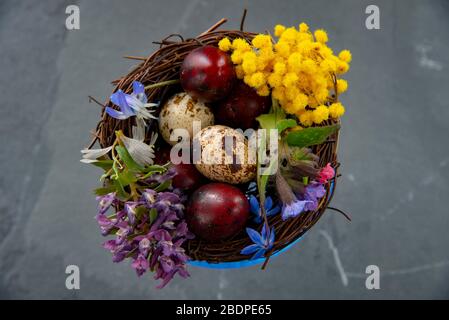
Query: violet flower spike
{"x": 134, "y": 104}
{"x": 270, "y": 208}
{"x": 263, "y": 242}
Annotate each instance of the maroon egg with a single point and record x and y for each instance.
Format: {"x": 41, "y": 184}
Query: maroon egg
{"x": 187, "y": 177}
{"x": 207, "y": 73}
{"x": 217, "y": 211}
{"x": 162, "y": 154}
{"x": 241, "y": 108}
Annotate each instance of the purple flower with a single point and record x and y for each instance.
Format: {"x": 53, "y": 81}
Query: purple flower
{"x": 105, "y": 202}
{"x": 134, "y": 104}
{"x": 312, "y": 194}
{"x": 182, "y": 231}
{"x": 168, "y": 270}
{"x": 155, "y": 245}
{"x": 106, "y": 224}
{"x": 291, "y": 205}
{"x": 293, "y": 209}
{"x": 262, "y": 242}
{"x": 165, "y": 276}
{"x": 140, "y": 264}
{"x": 130, "y": 209}
{"x": 163, "y": 201}
{"x": 119, "y": 251}
{"x": 121, "y": 234}
{"x": 162, "y": 177}
{"x": 167, "y": 264}
{"x": 149, "y": 196}
{"x": 270, "y": 208}
{"x": 144, "y": 246}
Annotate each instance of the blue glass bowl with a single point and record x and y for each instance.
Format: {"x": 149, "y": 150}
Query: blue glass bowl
{"x": 249, "y": 262}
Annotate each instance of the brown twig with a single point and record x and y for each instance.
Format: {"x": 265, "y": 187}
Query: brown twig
{"x": 215, "y": 26}
{"x": 96, "y": 101}
{"x": 242, "y": 22}
{"x": 135, "y": 58}
{"x": 347, "y": 216}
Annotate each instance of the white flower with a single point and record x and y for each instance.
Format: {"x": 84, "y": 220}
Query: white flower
{"x": 141, "y": 152}
{"x": 92, "y": 155}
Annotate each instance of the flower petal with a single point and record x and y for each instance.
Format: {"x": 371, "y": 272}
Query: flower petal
{"x": 116, "y": 114}
{"x": 257, "y": 219}
{"x": 138, "y": 87}
{"x": 142, "y": 153}
{"x": 139, "y": 130}
{"x": 254, "y": 204}
{"x": 93, "y": 154}
{"x": 134, "y": 103}
{"x": 273, "y": 211}
{"x": 120, "y": 98}
{"x": 255, "y": 236}
{"x": 250, "y": 249}
{"x": 259, "y": 254}
{"x": 265, "y": 233}
{"x": 139, "y": 91}
{"x": 272, "y": 237}
{"x": 268, "y": 203}
{"x": 293, "y": 209}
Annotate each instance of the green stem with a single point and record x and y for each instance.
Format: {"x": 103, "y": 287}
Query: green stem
{"x": 161, "y": 84}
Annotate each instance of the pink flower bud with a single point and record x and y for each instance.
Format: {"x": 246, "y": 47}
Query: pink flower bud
{"x": 326, "y": 174}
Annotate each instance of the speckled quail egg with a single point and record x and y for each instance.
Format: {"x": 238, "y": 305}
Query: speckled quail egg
{"x": 179, "y": 112}
{"x": 225, "y": 155}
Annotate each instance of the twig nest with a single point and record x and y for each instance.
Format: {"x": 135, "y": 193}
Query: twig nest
{"x": 225, "y": 155}
{"x": 179, "y": 112}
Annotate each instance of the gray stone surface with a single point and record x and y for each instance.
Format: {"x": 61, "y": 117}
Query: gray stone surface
{"x": 393, "y": 149}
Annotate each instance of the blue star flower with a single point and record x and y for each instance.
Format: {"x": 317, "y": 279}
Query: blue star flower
{"x": 270, "y": 208}
{"x": 262, "y": 242}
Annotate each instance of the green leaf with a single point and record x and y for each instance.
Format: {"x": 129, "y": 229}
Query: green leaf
{"x": 310, "y": 136}
{"x": 126, "y": 177}
{"x": 285, "y": 124}
{"x": 270, "y": 120}
{"x": 121, "y": 193}
{"x": 128, "y": 161}
{"x": 299, "y": 154}
{"x": 163, "y": 186}
{"x": 141, "y": 212}
{"x": 104, "y": 164}
{"x": 150, "y": 170}
{"x": 105, "y": 190}
{"x": 153, "y": 215}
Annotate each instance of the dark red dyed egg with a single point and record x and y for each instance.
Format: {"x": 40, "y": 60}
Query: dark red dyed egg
{"x": 187, "y": 177}
{"x": 217, "y": 211}
{"x": 207, "y": 73}
{"x": 241, "y": 108}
